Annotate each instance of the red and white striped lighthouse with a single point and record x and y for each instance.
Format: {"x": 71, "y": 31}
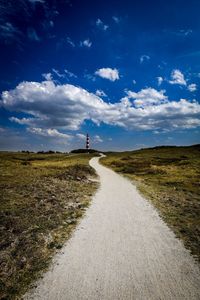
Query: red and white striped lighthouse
{"x": 87, "y": 142}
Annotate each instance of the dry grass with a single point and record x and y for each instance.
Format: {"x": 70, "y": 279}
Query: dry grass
{"x": 42, "y": 197}
{"x": 170, "y": 178}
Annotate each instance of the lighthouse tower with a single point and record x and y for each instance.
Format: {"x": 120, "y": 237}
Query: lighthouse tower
{"x": 87, "y": 142}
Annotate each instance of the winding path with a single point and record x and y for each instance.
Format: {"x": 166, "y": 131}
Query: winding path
{"x": 121, "y": 250}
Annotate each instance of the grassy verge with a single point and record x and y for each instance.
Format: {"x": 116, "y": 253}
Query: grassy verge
{"x": 170, "y": 178}
{"x": 42, "y": 197}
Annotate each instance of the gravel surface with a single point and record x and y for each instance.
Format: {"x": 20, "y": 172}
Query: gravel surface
{"x": 120, "y": 250}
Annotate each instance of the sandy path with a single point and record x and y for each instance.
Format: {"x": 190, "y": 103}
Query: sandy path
{"x": 120, "y": 250}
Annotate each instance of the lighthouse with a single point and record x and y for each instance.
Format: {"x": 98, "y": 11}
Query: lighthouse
{"x": 87, "y": 142}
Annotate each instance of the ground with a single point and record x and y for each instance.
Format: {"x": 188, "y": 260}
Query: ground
{"x": 170, "y": 178}
{"x": 42, "y": 197}
{"x": 121, "y": 250}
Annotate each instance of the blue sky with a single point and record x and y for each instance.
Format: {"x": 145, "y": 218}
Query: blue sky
{"x": 126, "y": 72}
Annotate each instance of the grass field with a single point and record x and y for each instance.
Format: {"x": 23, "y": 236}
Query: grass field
{"x": 42, "y": 197}
{"x": 170, "y": 178}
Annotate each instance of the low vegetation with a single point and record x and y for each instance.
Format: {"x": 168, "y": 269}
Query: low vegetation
{"x": 42, "y": 197}
{"x": 84, "y": 151}
{"x": 170, "y": 178}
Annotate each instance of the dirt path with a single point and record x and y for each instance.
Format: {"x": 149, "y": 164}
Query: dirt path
{"x": 121, "y": 250}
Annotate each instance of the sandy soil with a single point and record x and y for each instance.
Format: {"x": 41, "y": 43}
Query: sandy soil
{"x": 120, "y": 250}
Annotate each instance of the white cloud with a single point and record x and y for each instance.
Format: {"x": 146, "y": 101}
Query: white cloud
{"x": 134, "y": 81}
{"x": 70, "y": 74}
{"x": 182, "y": 32}
{"x": 58, "y": 73}
{"x": 186, "y": 32}
{"x": 81, "y": 136}
{"x": 98, "y": 22}
{"x": 108, "y": 73}
{"x": 97, "y": 139}
{"x": 62, "y": 75}
{"x": 160, "y": 80}
{"x": 101, "y": 25}
{"x": 47, "y": 76}
{"x": 23, "y": 121}
{"x": 90, "y": 77}
{"x": 10, "y": 33}
{"x": 169, "y": 114}
{"x": 144, "y": 58}
{"x": 147, "y": 97}
{"x": 177, "y": 77}
{"x": 52, "y": 133}
{"x": 49, "y": 107}
{"x": 53, "y": 106}
{"x": 70, "y": 42}
{"x": 86, "y": 43}
{"x": 192, "y": 87}
{"x": 100, "y": 93}
{"x": 116, "y": 19}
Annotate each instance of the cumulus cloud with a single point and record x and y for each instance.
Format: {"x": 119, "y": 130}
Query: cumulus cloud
{"x": 108, "y": 73}
{"x": 23, "y": 121}
{"x": 144, "y": 58}
{"x": 148, "y": 96}
{"x": 168, "y": 114}
{"x": 160, "y": 80}
{"x": 100, "y": 93}
{"x": 86, "y": 43}
{"x": 51, "y": 108}
{"x": 177, "y": 78}
{"x": 47, "y": 76}
{"x": 97, "y": 139}
{"x": 81, "y": 136}
{"x": 101, "y": 25}
{"x": 192, "y": 87}
{"x": 52, "y": 133}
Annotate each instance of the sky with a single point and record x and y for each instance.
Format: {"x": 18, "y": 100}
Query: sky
{"x": 126, "y": 72}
